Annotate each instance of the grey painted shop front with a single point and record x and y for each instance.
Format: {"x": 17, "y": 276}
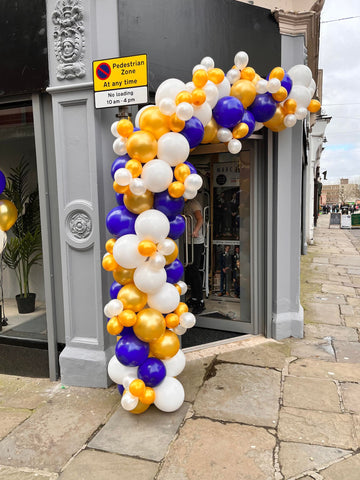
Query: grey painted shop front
{"x": 73, "y": 157}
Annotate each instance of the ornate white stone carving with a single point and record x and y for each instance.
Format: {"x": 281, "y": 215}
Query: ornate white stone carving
{"x": 69, "y": 39}
{"x": 80, "y": 225}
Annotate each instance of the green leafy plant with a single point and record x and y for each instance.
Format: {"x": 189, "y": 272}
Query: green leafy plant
{"x": 23, "y": 250}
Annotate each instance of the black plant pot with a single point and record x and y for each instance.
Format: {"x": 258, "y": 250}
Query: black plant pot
{"x": 26, "y": 304}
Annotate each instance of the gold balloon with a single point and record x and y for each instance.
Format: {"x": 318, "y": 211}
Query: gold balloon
{"x": 176, "y": 189}
{"x": 109, "y": 245}
{"x": 123, "y": 275}
{"x": 147, "y": 248}
{"x": 149, "y": 396}
{"x": 314, "y": 106}
{"x": 280, "y": 95}
{"x": 278, "y": 73}
{"x": 137, "y": 387}
{"x": 127, "y": 318}
{"x": 200, "y": 77}
{"x": 166, "y": 346}
{"x": 114, "y": 327}
{"x": 142, "y": 146}
{"x": 124, "y": 127}
{"x": 120, "y": 188}
{"x": 155, "y": 122}
{"x": 140, "y": 408}
{"x": 176, "y": 125}
{"x": 210, "y": 131}
{"x": 172, "y": 256}
{"x": 132, "y": 298}
{"x": 216, "y": 75}
{"x": 248, "y": 73}
{"x": 138, "y": 203}
{"x": 245, "y": 91}
{"x": 8, "y": 215}
{"x": 276, "y": 123}
{"x": 241, "y": 130}
{"x": 109, "y": 263}
{"x": 182, "y": 171}
{"x": 134, "y": 167}
{"x": 290, "y": 106}
{"x": 150, "y": 325}
{"x": 172, "y": 320}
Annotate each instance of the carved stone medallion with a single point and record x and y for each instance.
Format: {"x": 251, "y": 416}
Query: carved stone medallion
{"x": 69, "y": 39}
{"x": 80, "y": 225}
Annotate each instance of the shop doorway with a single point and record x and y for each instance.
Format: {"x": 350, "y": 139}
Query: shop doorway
{"x": 229, "y": 203}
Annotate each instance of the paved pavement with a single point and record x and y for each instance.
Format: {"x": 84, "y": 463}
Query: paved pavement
{"x": 256, "y": 409}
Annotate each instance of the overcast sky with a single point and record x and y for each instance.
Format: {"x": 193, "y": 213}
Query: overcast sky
{"x": 340, "y": 60}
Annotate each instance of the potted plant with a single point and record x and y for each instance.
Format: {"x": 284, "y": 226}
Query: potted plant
{"x": 23, "y": 250}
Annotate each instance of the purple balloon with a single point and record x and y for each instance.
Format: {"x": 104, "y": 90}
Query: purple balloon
{"x": 191, "y": 166}
{"x": 263, "y": 107}
{"x": 114, "y": 290}
{"x": 120, "y": 221}
{"x": 152, "y": 372}
{"x": 177, "y": 227}
{"x": 228, "y": 112}
{"x": 131, "y": 351}
{"x": 119, "y": 162}
{"x": 249, "y": 119}
{"x": 119, "y": 198}
{"x": 193, "y": 132}
{"x": 120, "y": 389}
{"x": 174, "y": 271}
{"x": 287, "y": 83}
{"x": 2, "y": 182}
{"x": 168, "y": 205}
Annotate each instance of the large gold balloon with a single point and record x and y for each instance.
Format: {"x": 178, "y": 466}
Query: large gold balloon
{"x": 210, "y": 131}
{"x": 150, "y": 325}
{"x": 132, "y": 298}
{"x": 166, "y": 346}
{"x": 123, "y": 275}
{"x": 142, "y": 146}
{"x": 153, "y": 121}
{"x": 245, "y": 91}
{"x": 139, "y": 203}
{"x": 276, "y": 123}
{"x": 240, "y": 130}
{"x": 140, "y": 408}
{"x": 8, "y": 215}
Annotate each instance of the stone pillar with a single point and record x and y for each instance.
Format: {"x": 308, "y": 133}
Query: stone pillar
{"x": 80, "y": 31}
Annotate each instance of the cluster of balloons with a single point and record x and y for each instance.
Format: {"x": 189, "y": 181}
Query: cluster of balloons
{"x": 8, "y": 214}
{"x": 152, "y": 179}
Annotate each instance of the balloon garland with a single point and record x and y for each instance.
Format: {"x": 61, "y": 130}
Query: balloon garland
{"x": 152, "y": 179}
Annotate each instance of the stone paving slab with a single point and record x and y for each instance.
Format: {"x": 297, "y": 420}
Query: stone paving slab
{"x": 337, "y": 288}
{"x": 346, "y": 310}
{"x": 347, "y": 351}
{"x": 307, "y": 367}
{"x": 297, "y": 458}
{"x": 316, "y": 330}
{"x": 11, "y": 418}
{"x": 28, "y": 392}
{"x": 66, "y": 421}
{"x": 351, "y": 397}
{"x": 240, "y": 393}
{"x": 350, "y": 260}
{"x": 270, "y": 354}
{"x": 211, "y": 450}
{"x": 326, "y": 298}
{"x": 353, "y": 321}
{"x": 317, "y": 428}
{"x": 192, "y": 376}
{"x": 348, "y": 469}
{"x": 311, "y": 394}
{"x": 93, "y": 465}
{"x": 327, "y": 313}
{"x": 146, "y": 436}
{"x": 317, "y": 348}
{"x": 9, "y": 473}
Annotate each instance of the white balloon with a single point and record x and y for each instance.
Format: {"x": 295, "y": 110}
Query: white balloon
{"x": 169, "y": 395}
{"x": 169, "y": 88}
{"x": 312, "y": 87}
{"x": 130, "y": 377}
{"x": 301, "y": 94}
{"x": 179, "y": 330}
{"x": 208, "y": 63}
{"x": 224, "y": 135}
{"x": 113, "y": 129}
{"x": 157, "y": 175}
{"x": 166, "y": 299}
{"x": 301, "y": 113}
{"x": 233, "y": 75}
{"x": 198, "y": 67}
{"x": 189, "y": 86}
{"x": 203, "y": 113}
{"x": 157, "y": 261}
{"x": 122, "y": 176}
{"x": 148, "y": 279}
{"x": 182, "y": 286}
{"x": 187, "y": 320}
{"x": 117, "y": 371}
{"x": 128, "y": 401}
{"x": 193, "y": 182}
{"x": 234, "y": 146}
{"x": 290, "y": 120}
{"x": 261, "y": 86}
{"x": 224, "y": 88}
{"x": 273, "y": 85}
{"x": 152, "y": 225}
{"x": 241, "y": 59}
{"x": 125, "y": 251}
{"x": 119, "y": 146}
{"x": 173, "y": 148}
{"x": 258, "y": 126}
{"x": 184, "y": 111}
{"x": 138, "y": 115}
{"x": 167, "y": 106}
{"x": 189, "y": 194}
{"x": 166, "y": 247}
{"x": 175, "y": 365}
{"x": 300, "y": 75}
{"x": 113, "y": 308}
{"x": 3, "y": 240}
{"x": 212, "y": 93}
{"x": 137, "y": 186}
